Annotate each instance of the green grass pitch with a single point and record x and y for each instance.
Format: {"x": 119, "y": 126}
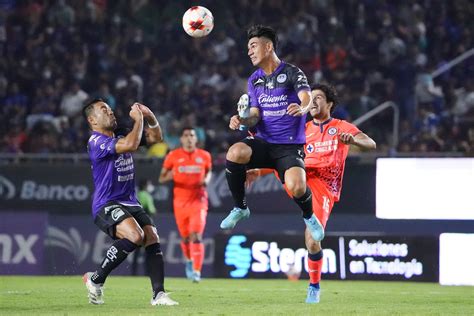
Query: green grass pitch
{"x": 23, "y": 295}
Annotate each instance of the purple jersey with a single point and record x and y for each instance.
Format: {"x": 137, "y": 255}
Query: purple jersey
{"x": 114, "y": 174}
{"x": 271, "y": 95}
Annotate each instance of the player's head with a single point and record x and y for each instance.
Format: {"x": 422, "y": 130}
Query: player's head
{"x": 262, "y": 43}
{"x": 99, "y": 115}
{"x": 324, "y": 100}
{"x": 188, "y": 138}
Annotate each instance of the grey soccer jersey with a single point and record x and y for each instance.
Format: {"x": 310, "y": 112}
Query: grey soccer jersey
{"x": 114, "y": 174}
{"x": 271, "y": 95}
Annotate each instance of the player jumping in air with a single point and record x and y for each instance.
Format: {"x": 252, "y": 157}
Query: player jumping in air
{"x": 190, "y": 169}
{"x": 115, "y": 206}
{"x": 279, "y": 101}
{"x": 326, "y": 149}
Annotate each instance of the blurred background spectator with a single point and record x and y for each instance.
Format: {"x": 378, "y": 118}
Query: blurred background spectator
{"x": 58, "y": 53}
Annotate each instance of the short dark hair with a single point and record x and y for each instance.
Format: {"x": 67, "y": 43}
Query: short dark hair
{"x": 89, "y": 107}
{"x": 187, "y": 128}
{"x": 263, "y": 31}
{"x": 330, "y": 93}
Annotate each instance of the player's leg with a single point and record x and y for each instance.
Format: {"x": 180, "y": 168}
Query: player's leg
{"x": 134, "y": 265}
{"x": 322, "y": 206}
{"x": 155, "y": 266}
{"x": 196, "y": 227}
{"x": 188, "y": 261}
{"x": 290, "y": 166}
{"x": 129, "y": 237}
{"x": 248, "y": 152}
{"x": 295, "y": 181}
{"x": 119, "y": 224}
{"x": 182, "y": 222}
{"x": 237, "y": 158}
{"x": 153, "y": 257}
{"x": 315, "y": 263}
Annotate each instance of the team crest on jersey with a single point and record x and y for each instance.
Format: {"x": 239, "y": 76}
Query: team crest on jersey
{"x": 281, "y": 78}
{"x": 310, "y": 148}
{"x": 332, "y": 131}
{"x": 199, "y": 160}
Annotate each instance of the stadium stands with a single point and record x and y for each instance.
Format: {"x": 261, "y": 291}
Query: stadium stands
{"x": 56, "y": 54}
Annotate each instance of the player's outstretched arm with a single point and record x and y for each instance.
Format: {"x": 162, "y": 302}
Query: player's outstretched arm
{"x": 360, "y": 140}
{"x": 152, "y": 127}
{"x": 251, "y": 120}
{"x": 131, "y": 142}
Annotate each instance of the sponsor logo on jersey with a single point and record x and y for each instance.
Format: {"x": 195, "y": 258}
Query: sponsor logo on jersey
{"x": 123, "y": 163}
{"x": 310, "y": 148}
{"x": 190, "y": 169}
{"x": 270, "y": 84}
{"x": 199, "y": 160}
{"x": 265, "y": 98}
{"x": 259, "y": 81}
{"x": 274, "y": 113}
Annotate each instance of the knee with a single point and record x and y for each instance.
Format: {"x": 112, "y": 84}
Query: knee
{"x": 195, "y": 237}
{"x": 151, "y": 239}
{"x": 313, "y": 246}
{"x": 296, "y": 187}
{"x": 151, "y": 236}
{"x": 137, "y": 236}
{"x": 239, "y": 153}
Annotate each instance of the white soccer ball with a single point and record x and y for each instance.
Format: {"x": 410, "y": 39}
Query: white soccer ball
{"x": 198, "y": 21}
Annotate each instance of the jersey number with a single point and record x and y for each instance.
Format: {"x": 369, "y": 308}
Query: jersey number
{"x": 326, "y": 204}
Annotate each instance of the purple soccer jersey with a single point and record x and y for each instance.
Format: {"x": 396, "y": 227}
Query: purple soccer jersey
{"x": 271, "y": 95}
{"x": 114, "y": 174}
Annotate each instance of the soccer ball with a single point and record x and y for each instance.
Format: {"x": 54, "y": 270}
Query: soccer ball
{"x": 198, "y": 21}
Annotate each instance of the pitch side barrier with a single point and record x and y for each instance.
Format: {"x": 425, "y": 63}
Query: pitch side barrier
{"x": 42, "y": 243}
{"x": 357, "y": 256}
{"x": 66, "y": 187}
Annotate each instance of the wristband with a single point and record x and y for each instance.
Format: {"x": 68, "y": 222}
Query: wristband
{"x": 153, "y": 126}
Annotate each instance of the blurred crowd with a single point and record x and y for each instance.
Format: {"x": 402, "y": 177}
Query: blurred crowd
{"x": 56, "y": 54}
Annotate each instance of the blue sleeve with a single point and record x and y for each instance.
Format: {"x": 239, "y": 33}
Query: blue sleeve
{"x": 251, "y": 93}
{"x": 299, "y": 80}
